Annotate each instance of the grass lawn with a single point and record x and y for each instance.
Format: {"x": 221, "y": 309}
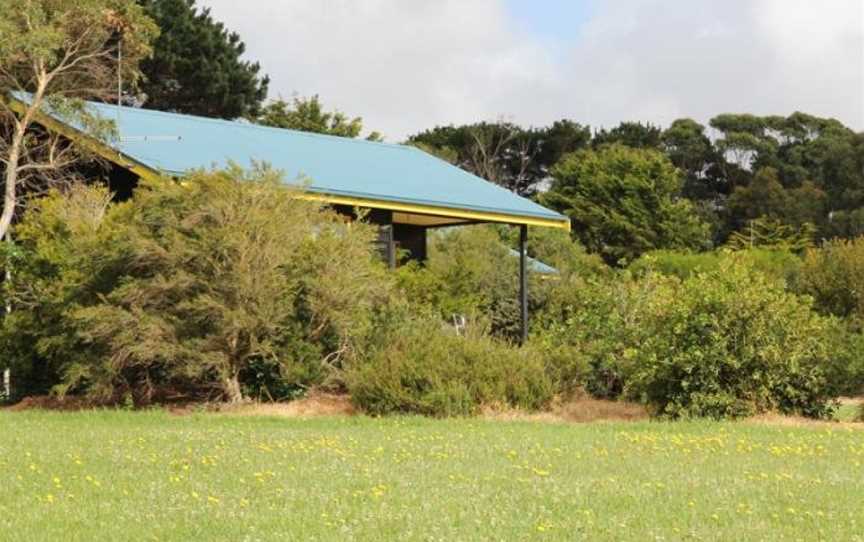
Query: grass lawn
{"x": 153, "y": 476}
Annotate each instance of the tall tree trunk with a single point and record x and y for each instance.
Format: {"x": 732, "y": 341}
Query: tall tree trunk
{"x": 10, "y": 196}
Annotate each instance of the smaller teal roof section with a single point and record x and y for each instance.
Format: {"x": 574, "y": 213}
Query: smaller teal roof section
{"x": 334, "y": 166}
{"x": 536, "y": 265}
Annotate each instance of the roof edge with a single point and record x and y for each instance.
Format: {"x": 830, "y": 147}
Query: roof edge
{"x": 87, "y": 141}
{"x": 437, "y": 210}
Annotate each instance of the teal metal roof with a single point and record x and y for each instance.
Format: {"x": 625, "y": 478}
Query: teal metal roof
{"x": 174, "y": 144}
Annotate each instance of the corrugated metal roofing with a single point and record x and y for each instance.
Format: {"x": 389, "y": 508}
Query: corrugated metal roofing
{"x": 332, "y": 165}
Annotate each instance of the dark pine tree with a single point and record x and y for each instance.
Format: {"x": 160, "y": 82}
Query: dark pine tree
{"x": 197, "y": 65}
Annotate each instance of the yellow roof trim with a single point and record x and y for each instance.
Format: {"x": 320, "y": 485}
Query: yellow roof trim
{"x": 480, "y": 216}
{"x": 88, "y": 142}
{"x": 145, "y": 172}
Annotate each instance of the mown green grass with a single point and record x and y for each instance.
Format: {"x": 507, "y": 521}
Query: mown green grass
{"x": 153, "y": 476}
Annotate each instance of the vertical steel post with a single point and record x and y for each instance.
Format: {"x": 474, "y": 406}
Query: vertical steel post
{"x": 523, "y": 282}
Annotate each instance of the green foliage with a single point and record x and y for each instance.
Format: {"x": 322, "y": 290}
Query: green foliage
{"x": 197, "y": 65}
{"x": 692, "y": 152}
{"x": 834, "y": 276}
{"x": 732, "y": 343}
{"x": 798, "y": 169}
{"x": 448, "y": 154}
{"x": 59, "y": 53}
{"x": 845, "y": 224}
{"x": 223, "y": 282}
{"x": 308, "y": 115}
{"x": 631, "y": 134}
{"x": 591, "y": 327}
{"x": 624, "y": 202}
{"x": 725, "y": 342}
{"x": 555, "y": 247}
{"x": 516, "y": 158}
{"x": 772, "y": 235}
{"x": 469, "y": 272}
{"x": 776, "y": 264}
{"x": 845, "y": 370}
{"x": 766, "y": 200}
{"x": 74, "y": 42}
{"x": 426, "y": 369}
{"x": 816, "y": 161}
{"x": 68, "y": 253}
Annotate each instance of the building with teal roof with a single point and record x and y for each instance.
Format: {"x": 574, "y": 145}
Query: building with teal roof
{"x": 406, "y": 190}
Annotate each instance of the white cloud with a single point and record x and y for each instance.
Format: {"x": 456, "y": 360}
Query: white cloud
{"x": 407, "y": 65}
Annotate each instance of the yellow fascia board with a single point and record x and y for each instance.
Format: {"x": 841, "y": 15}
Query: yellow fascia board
{"x": 145, "y": 172}
{"x": 480, "y": 216}
{"x": 88, "y": 142}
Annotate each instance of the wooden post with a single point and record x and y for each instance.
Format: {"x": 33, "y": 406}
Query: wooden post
{"x": 523, "y": 283}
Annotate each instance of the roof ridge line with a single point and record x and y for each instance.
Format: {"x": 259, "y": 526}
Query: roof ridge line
{"x": 245, "y": 123}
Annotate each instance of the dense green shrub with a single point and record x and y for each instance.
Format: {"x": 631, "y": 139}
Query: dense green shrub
{"x": 471, "y": 272}
{"x": 67, "y": 254}
{"x": 722, "y": 343}
{"x": 834, "y": 276}
{"x": 228, "y": 282}
{"x": 427, "y": 369}
{"x": 731, "y": 343}
{"x": 590, "y": 328}
{"x": 778, "y": 264}
{"x": 845, "y": 369}
{"x": 557, "y": 248}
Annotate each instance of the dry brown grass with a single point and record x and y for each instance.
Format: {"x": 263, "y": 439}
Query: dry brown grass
{"x": 314, "y": 404}
{"x": 799, "y": 421}
{"x": 581, "y": 409}
{"x": 576, "y": 410}
{"x": 49, "y": 402}
{"x": 852, "y": 401}
{"x": 588, "y": 409}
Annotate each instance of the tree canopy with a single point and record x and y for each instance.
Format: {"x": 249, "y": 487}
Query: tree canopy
{"x": 308, "y": 115}
{"x": 624, "y": 201}
{"x": 632, "y": 134}
{"x": 197, "y": 65}
{"x": 60, "y": 53}
{"x": 516, "y": 158}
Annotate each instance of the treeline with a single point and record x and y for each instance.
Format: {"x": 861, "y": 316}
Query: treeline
{"x": 638, "y": 187}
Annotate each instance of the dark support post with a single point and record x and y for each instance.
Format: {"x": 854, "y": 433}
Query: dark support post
{"x": 523, "y": 282}
{"x": 391, "y": 247}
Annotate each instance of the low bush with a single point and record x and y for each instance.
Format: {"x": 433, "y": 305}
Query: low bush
{"x": 733, "y": 343}
{"x": 424, "y": 368}
{"x": 471, "y": 272}
{"x": 778, "y": 264}
{"x": 834, "y": 276}
{"x": 723, "y": 343}
{"x": 590, "y": 328}
{"x": 845, "y": 369}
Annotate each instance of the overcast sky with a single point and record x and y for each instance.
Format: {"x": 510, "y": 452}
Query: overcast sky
{"x": 408, "y": 65}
